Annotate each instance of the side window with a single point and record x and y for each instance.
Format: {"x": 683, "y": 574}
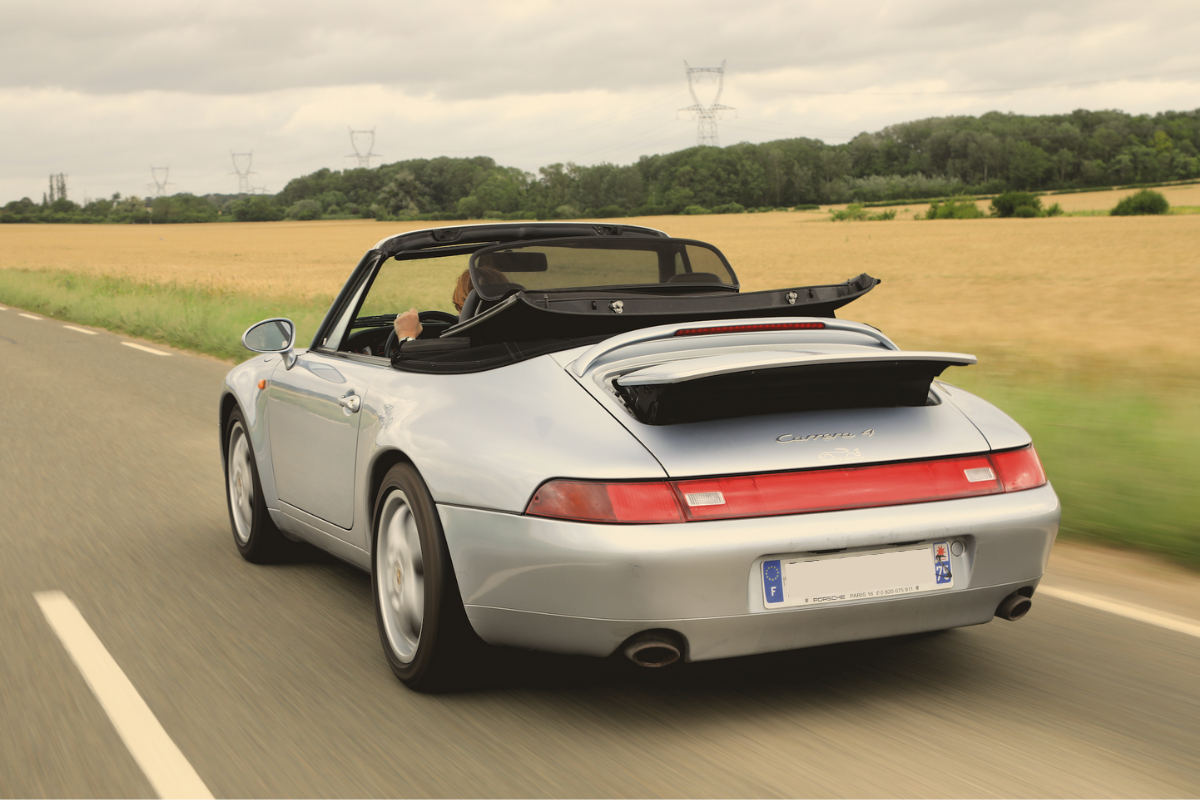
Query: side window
{"x": 426, "y": 284}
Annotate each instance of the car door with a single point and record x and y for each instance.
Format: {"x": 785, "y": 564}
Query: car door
{"x": 314, "y": 409}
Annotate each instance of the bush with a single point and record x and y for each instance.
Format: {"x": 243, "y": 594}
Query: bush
{"x": 856, "y": 213}
{"x": 305, "y": 210}
{"x": 1025, "y": 211}
{"x": 606, "y": 212}
{"x": 804, "y": 207}
{"x": 695, "y": 210}
{"x": 1144, "y": 202}
{"x": 729, "y": 208}
{"x": 851, "y": 213}
{"x": 256, "y": 208}
{"x": 1055, "y": 210}
{"x": 1006, "y": 205}
{"x": 954, "y": 208}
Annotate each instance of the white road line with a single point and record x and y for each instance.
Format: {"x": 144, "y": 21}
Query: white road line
{"x": 146, "y": 349}
{"x": 30, "y": 316}
{"x": 168, "y": 771}
{"x": 1128, "y": 610}
{"x": 80, "y": 330}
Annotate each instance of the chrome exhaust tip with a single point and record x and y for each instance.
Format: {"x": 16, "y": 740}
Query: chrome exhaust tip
{"x": 1013, "y": 607}
{"x": 654, "y": 648}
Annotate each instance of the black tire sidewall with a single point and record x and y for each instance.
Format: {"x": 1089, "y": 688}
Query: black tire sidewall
{"x": 435, "y": 645}
{"x": 264, "y": 540}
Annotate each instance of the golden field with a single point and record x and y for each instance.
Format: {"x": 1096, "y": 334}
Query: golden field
{"x": 1067, "y": 292}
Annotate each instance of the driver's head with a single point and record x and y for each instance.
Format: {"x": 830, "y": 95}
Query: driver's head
{"x": 462, "y": 288}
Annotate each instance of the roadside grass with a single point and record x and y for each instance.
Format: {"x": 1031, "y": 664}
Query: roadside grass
{"x": 205, "y": 320}
{"x": 1124, "y": 457}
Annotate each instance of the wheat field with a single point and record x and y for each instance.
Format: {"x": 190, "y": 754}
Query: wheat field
{"x": 1075, "y": 293}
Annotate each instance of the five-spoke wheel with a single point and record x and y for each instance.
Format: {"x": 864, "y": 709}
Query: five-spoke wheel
{"x": 241, "y": 483}
{"x": 254, "y": 533}
{"x": 400, "y": 575}
{"x": 422, "y": 625}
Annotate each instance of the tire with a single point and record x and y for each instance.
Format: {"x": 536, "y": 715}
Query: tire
{"x": 424, "y": 631}
{"x": 256, "y": 537}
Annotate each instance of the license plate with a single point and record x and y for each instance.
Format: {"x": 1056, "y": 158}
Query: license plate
{"x": 847, "y": 577}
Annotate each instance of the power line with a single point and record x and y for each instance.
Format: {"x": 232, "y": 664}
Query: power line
{"x": 706, "y": 116}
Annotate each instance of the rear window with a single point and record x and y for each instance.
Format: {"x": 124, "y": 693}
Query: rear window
{"x": 586, "y": 263}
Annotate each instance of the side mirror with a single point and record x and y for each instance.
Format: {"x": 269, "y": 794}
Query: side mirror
{"x": 276, "y": 335}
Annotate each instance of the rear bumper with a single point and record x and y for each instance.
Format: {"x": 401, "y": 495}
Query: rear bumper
{"x": 584, "y": 588}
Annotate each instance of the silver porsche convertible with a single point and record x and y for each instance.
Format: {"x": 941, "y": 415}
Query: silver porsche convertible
{"x": 613, "y": 449}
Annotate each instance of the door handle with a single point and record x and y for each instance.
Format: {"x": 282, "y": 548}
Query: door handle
{"x": 350, "y": 401}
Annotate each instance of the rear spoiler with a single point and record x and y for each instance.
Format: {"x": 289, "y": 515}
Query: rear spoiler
{"x": 756, "y": 383}
{"x": 692, "y": 369}
{"x": 725, "y": 327}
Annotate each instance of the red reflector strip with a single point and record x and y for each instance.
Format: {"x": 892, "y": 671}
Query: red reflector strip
{"x": 756, "y": 328}
{"x": 803, "y": 492}
{"x": 829, "y": 489}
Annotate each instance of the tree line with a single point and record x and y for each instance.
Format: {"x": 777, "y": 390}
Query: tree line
{"x": 930, "y": 158}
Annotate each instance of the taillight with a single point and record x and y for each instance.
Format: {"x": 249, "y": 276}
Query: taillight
{"x": 606, "y": 502}
{"x": 778, "y": 493}
{"x": 1019, "y": 469}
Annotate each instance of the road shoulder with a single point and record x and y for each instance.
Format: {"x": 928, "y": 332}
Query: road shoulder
{"x": 1125, "y": 576}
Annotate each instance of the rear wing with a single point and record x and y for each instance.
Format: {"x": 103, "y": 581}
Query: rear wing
{"x": 693, "y": 369}
{"x": 755, "y": 325}
{"x": 754, "y": 383}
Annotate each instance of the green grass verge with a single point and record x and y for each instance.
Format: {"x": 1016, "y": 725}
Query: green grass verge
{"x": 188, "y": 317}
{"x": 1123, "y": 456}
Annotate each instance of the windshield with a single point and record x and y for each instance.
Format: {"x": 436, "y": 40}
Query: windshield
{"x": 595, "y": 262}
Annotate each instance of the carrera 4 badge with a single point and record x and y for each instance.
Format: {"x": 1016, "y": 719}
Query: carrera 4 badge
{"x": 789, "y": 438}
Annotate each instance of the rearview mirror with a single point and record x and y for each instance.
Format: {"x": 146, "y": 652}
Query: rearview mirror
{"x": 277, "y": 335}
{"x": 516, "y": 262}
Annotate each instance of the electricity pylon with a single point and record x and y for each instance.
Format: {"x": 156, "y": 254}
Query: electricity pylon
{"x": 363, "y": 140}
{"x": 243, "y": 173}
{"x": 706, "y": 116}
{"x": 160, "y": 180}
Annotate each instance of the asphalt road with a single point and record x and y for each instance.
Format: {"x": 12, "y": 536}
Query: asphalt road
{"x": 271, "y": 681}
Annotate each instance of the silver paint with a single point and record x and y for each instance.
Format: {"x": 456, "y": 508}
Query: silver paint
{"x": 483, "y": 443}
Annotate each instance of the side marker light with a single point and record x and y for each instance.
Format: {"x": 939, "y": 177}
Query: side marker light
{"x": 262, "y": 384}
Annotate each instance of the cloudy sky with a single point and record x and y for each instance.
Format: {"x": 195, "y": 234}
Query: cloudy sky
{"x": 105, "y": 91}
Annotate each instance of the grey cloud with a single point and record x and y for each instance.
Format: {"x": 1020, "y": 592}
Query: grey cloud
{"x": 462, "y": 50}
